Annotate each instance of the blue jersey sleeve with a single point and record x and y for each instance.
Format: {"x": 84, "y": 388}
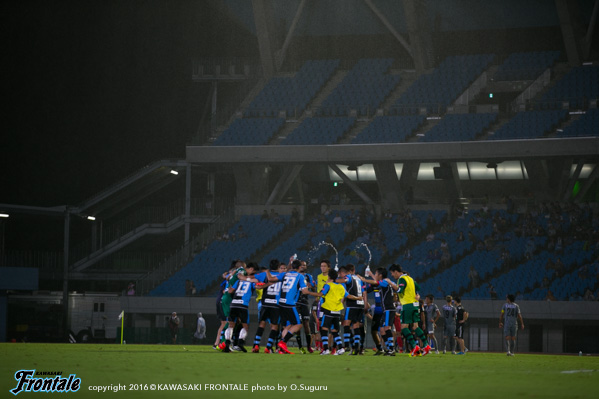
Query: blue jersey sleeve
{"x": 383, "y": 283}
{"x": 262, "y": 277}
{"x": 325, "y": 289}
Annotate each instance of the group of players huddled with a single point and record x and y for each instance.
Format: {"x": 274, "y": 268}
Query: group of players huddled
{"x": 399, "y": 318}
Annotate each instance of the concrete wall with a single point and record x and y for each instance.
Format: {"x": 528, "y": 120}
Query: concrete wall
{"x": 545, "y": 322}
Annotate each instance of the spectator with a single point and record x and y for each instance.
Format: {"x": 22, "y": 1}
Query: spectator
{"x": 550, "y": 296}
{"x": 131, "y": 288}
{"x": 337, "y": 219}
{"x": 173, "y": 325}
{"x": 264, "y": 215}
{"x": 492, "y": 292}
{"x": 200, "y": 333}
{"x": 473, "y": 277}
{"x": 295, "y": 217}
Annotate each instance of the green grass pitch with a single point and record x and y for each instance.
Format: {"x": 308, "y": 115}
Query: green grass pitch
{"x": 137, "y": 367}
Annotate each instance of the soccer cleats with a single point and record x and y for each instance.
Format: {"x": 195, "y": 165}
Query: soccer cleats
{"x": 426, "y": 350}
{"x": 416, "y": 351}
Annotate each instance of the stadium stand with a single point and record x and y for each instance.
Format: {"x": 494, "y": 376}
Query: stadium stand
{"x": 389, "y": 129}
{"x": 319, "y": 131}
{"x": 364, "y": 88}
{"x": 207, "y": 266}
{"x": 586, "y": 125}
{"x": 292, "y": 94}
{"x": 252, "y": 131}
{"x": 578, "y": 86}
{"x": 440, "y": 88}
{"x": 525, "y": 66}
{"x": 459, "y": 127}
{"x": 530, "y": 125}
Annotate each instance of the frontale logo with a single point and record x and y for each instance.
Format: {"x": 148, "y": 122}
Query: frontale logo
{"x": 27, "y": 382}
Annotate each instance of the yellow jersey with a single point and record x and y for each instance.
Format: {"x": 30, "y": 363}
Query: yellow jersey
{"x": 321, "y": 280}
{"x": 333, "y": 297}
{"x": 407, "y": 289}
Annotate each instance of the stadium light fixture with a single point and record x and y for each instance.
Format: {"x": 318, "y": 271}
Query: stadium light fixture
{"x": 3, "y": 215}
{"x": 91, "y": 218}
{"x": 174, "y": 172}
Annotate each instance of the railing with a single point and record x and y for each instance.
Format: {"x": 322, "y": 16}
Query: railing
{"x": 184, "y": 255}
{"x": 46, "y": 261}
{"x": 232, "y": 66}
{"x": 151, "y": 214}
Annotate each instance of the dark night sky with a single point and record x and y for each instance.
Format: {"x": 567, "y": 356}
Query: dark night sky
{"x": 97, "y": 90}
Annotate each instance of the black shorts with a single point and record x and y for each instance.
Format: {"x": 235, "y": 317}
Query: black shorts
{"x": 377, "y": 318}
{"x": 242, "y": 313}
{"x": 219, "y": 312}
{"x": 354, "y": 315}
{"x": 313, "y": 325}
{"x": 330, "y": 320}
{"x": 270, "y": 315}
{"x": 459, "y": 330}
{"x": 289, "y": 316}
{"x": 304, "y": 311}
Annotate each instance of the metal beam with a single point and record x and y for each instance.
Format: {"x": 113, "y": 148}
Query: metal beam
{"x": 352, "y": 185}
{"x": 264, "y": 41}
{"x": 588, "y": 40}
{"x": 388, "y": 25}
{"x": 572, "y": 180}
{"x": 283, "y": 185}
{"x": 501, "y": 150}
{"x": 588, "y": 183}
{"x": 280, "y": 58}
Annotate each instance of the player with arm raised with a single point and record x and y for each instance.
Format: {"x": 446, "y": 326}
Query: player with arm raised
{"x": 241, "y": 293}
{"x": 332, "y": 295}
{"x": 293, "y": 285}
{"x": 354, "y": 309}
{"x": 387, "y": 288}
{"x": 269, "y": 311}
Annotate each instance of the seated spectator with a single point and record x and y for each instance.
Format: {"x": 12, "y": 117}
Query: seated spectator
{"x": 294, "y": 220}
{"x": 492, "y": 292}
{"x": 430, "y": 237}
{"x": 530, "y": 248}
{"x": 545, "y": 283}
{"x": 550, "y": 296}
{"x": 461, "y": 237}
{"x": 264, "y": 215}
{"x": 560, "y": 269}
{"x": 337, "y": 219}
{"x": 388, "y": 214}
{"x": 588, "y": 295}
{"x": 473, "y": 277}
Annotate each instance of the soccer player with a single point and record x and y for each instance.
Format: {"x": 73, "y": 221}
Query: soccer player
{"x": 386, "y": 290}
{"x": 377, "y": 317}
{"x": 220, "y": 314}
{"x": 509, "y": 318}
{"x": 432, "y": 315}
{"x": 293, "y": 284}
{"x": 323, "y": 277}
{"x": 461, "y": 318}
{"x": 332, "y": 295}
{"x": 269, "y": 311}
{"x": 303, "y": 308}
{"x": 354, "y": 309}
{"x": 314, "y": 328}
{"x": 410, "y": 311}
{"x": 241, "y": 292}
{"x": 449, "y": 315}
